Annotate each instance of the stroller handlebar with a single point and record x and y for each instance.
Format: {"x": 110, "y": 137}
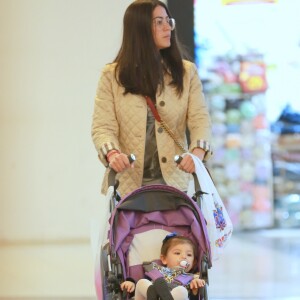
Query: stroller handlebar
{"x": 112, "y": 173}
{"x": 131, "y": 158}
{"x": 198, "y": 191}
{"x": 178, "y": 159}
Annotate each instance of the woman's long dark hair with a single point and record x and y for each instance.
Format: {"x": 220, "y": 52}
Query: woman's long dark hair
{"x": 140, "y": 65}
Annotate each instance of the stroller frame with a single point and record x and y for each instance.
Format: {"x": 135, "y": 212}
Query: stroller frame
{"x": 152, "y": 203}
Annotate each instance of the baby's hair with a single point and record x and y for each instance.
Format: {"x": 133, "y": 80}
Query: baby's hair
{"x": 176, "y": 240}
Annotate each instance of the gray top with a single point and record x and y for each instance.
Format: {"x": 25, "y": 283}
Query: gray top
{"x": 152, "y": 171}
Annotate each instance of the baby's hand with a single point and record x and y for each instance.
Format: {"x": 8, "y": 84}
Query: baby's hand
{"x": 196, "y": 284}
{"x": 129, "y": 286}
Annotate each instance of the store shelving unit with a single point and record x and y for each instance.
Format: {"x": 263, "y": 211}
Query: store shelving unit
{"x": 286, "y": 170}
{"x": 241, "y": 165}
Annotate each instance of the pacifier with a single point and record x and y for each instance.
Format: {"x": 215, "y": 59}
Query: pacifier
{"x": 184, "y": 264}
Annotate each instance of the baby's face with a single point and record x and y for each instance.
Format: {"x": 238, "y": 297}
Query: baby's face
{"x": 178, "y": 253}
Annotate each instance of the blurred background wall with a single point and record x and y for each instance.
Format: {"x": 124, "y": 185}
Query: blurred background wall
{"x": 51, "y": 56}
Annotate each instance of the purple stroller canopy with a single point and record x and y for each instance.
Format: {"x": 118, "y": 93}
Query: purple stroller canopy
{"x": 157, "y": 206}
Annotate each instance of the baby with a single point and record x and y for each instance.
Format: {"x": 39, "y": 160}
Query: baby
{"x": 172, "y": 280}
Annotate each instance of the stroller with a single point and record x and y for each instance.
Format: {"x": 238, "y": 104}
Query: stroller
{"x": 138, "y": 223}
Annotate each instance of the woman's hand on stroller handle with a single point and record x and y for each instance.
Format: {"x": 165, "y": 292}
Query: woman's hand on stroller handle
{"x": 185, "y": 163}
{"x": 121, "y": 161}
{"x": 180, "y": 160}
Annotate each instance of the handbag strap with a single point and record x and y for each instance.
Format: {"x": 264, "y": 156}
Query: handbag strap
{"x": 163, "y": 124}
{"x": 153, "y": 109}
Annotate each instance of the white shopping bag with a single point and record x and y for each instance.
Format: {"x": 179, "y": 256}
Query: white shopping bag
{"x": 219, "y": 225}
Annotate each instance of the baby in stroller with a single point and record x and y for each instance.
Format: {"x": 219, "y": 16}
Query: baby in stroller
{"x": 170, "y": 280}
{"x": 138, "y": 224}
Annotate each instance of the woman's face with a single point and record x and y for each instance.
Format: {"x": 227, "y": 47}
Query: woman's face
{"x": 161, "y": 28}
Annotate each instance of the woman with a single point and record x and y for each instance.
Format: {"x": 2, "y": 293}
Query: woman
{"x": 149, "y": 63}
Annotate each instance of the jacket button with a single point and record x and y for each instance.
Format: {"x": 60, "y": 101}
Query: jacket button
{"x": 160, "y": 129}
{"x": 164, "y": 159}
{"x": 162, "y": 103}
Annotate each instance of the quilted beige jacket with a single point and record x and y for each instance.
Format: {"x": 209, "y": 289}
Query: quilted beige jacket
{"x": 119, "y": 122}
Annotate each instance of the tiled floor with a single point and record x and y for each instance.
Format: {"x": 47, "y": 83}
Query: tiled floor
{"x": 262, "y": 265}
{"x": 259, "y": 265}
